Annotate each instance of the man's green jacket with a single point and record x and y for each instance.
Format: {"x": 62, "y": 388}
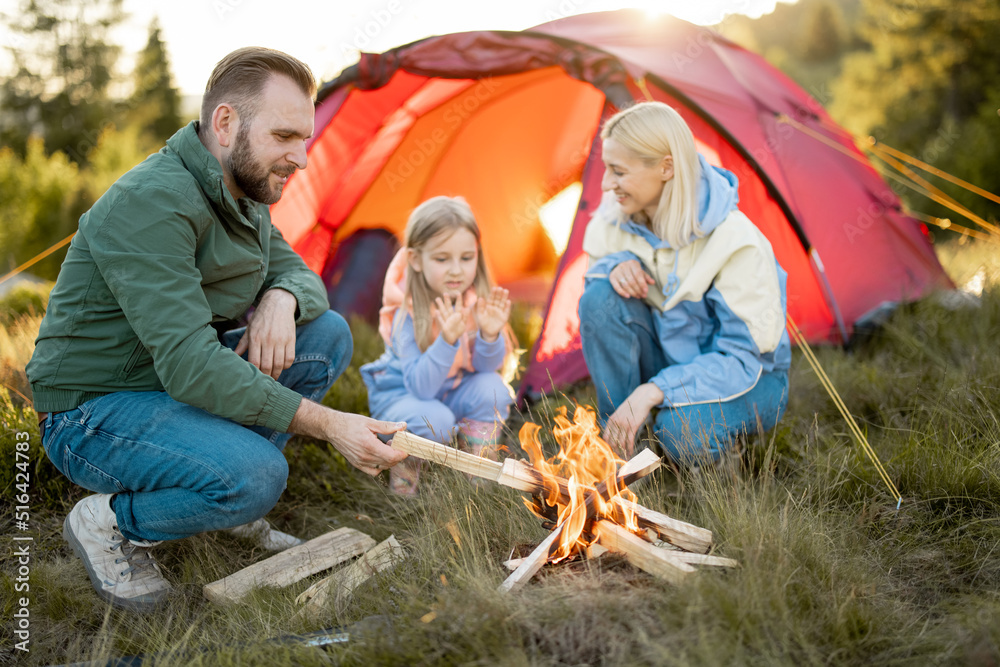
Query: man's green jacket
{"x": 164, "y": 254}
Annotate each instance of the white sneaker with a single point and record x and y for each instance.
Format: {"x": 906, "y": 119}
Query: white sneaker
{"x": 122, "y": 572}
{"x": 265, "y": 536}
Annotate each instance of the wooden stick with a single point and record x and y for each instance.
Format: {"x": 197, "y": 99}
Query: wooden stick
{"x": 522, "y": 476}
{"x": 641, "y": 553}
{"x": 698, "y": 559}
{"x": 291, "y": 565}
{"x": 645, "y": 462}
{"x": 684, "y": 535}
{"x": 597, "y": 550}
{"x": 435, "y": 452}
{"x": 342, "y": 583}
{"x": 531, "y": 563}
{"x": 513, "y": 563}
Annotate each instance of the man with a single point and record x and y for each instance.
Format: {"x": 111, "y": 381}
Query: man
{"x": 177, "y": 427}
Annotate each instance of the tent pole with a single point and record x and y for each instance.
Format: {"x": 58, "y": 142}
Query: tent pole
{"x": 828, "y": 291}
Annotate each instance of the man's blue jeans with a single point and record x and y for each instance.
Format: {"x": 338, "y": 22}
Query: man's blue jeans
{"x": 178, "y": 470}
{"x": 622, "y": 351}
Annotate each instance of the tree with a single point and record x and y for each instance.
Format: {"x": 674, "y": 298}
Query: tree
{"x": 63, "y": 68}
{"x": 155, "y": 103}
{"x": 824, "y": 35}
{"x": 39, "y": 205}
{"x": 926, "y": 85}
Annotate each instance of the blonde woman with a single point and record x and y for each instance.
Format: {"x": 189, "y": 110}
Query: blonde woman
{"x": 682, "y": 318}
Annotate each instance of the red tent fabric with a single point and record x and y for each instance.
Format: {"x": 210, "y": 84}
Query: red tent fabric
{"x": 510, "y": 119}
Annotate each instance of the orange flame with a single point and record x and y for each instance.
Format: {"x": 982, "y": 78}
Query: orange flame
{"x": 584, "y": 465}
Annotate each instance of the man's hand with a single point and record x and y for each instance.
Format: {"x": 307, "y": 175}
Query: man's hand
{"x": 492, "y": 313}
{"x": 622, "y": 426}
{"x": 270, "y": 336}
{"x": 354, "y": 436}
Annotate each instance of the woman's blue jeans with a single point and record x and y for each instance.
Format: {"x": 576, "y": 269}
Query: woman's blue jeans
{"x": 622, "y": 351}
{"x": 177, "y": 470}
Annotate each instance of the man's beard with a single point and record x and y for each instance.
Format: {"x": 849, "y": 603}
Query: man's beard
{"x": 253, "y": 178}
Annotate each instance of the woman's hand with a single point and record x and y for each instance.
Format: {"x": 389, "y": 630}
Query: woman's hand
{"x": 451, "y": 318}
{"x": 629, "y": 280}
{"x": 492, "y": 313}
{"x": 624, "y": 424}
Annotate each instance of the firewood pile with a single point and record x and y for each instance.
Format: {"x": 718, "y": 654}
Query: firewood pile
{"x": 582, "y": 495}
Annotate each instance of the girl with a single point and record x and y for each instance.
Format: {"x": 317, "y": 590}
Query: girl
{"x": 684, "y": 304}
{"x": 446, "y": 336}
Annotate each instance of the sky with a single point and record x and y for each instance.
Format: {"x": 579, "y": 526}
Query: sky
{"x": 329, "y": 35}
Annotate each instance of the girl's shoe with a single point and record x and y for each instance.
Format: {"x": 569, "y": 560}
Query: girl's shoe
{"x": 480, "y": 438}
{"x": 404, "y": 477}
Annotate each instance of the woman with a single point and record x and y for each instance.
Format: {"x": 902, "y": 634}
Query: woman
{"x": 684, "y": 305}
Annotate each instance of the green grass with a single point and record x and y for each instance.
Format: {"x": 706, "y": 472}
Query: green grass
{"x": 830, "y": 571}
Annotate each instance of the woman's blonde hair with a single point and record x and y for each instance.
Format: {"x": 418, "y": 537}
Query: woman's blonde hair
{"x": 438, "y": 215}
{"x": 654, "y": 130}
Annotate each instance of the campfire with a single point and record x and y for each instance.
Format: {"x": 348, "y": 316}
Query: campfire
{"x": 582, "y": 496}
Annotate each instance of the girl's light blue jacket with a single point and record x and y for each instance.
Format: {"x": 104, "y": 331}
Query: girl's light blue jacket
{"x": 404, "y": 369}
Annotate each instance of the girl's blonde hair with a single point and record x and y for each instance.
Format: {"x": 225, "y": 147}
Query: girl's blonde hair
{"x": 438, "y": 215}
{"x": 653, "y": 130}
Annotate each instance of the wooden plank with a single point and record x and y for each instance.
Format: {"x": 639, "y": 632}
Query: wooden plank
{"x": 684, "y": 535}
{"x": 531, "y": 563}
{"x": 645, "y": 462}
{"x": 596, "y": 551}
{"x": 640, "y": 553}
{"x": 341, "y": 584}
{"x": 428, "y": 450}
{"x": 520, "y": 475}
{"x": 699, "y": 559}
{"x": 291, "y": 565}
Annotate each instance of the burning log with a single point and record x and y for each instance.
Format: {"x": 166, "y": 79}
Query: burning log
{"x": 582, "y": 495}
{"x": 532, "y": 563}
{"x": 521, "y": 476}
{"x": 680, "y": 534}
{"x": 640, "y": 553}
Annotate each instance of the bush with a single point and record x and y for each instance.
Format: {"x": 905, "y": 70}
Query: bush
{"x": 40, "y": 202}
{"x": 24, "y": 300}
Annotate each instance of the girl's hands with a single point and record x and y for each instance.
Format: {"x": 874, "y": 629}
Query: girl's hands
{"x": 630, "y": 280}
{"x": 492, "y": 313}
{"x": 451, "y": 318}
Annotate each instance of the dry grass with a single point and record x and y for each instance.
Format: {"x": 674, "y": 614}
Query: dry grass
{"x": 17, "y": 342}
{"x": 830, "y": 571}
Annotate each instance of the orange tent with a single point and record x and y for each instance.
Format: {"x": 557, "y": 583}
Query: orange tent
{"x": 509, "y": 120}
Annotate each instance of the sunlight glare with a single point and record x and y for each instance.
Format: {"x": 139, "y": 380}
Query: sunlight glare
{"x": 558, "y": 213}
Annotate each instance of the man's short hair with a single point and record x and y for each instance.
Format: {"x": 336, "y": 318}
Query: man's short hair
{"x": 239, "y": 78}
